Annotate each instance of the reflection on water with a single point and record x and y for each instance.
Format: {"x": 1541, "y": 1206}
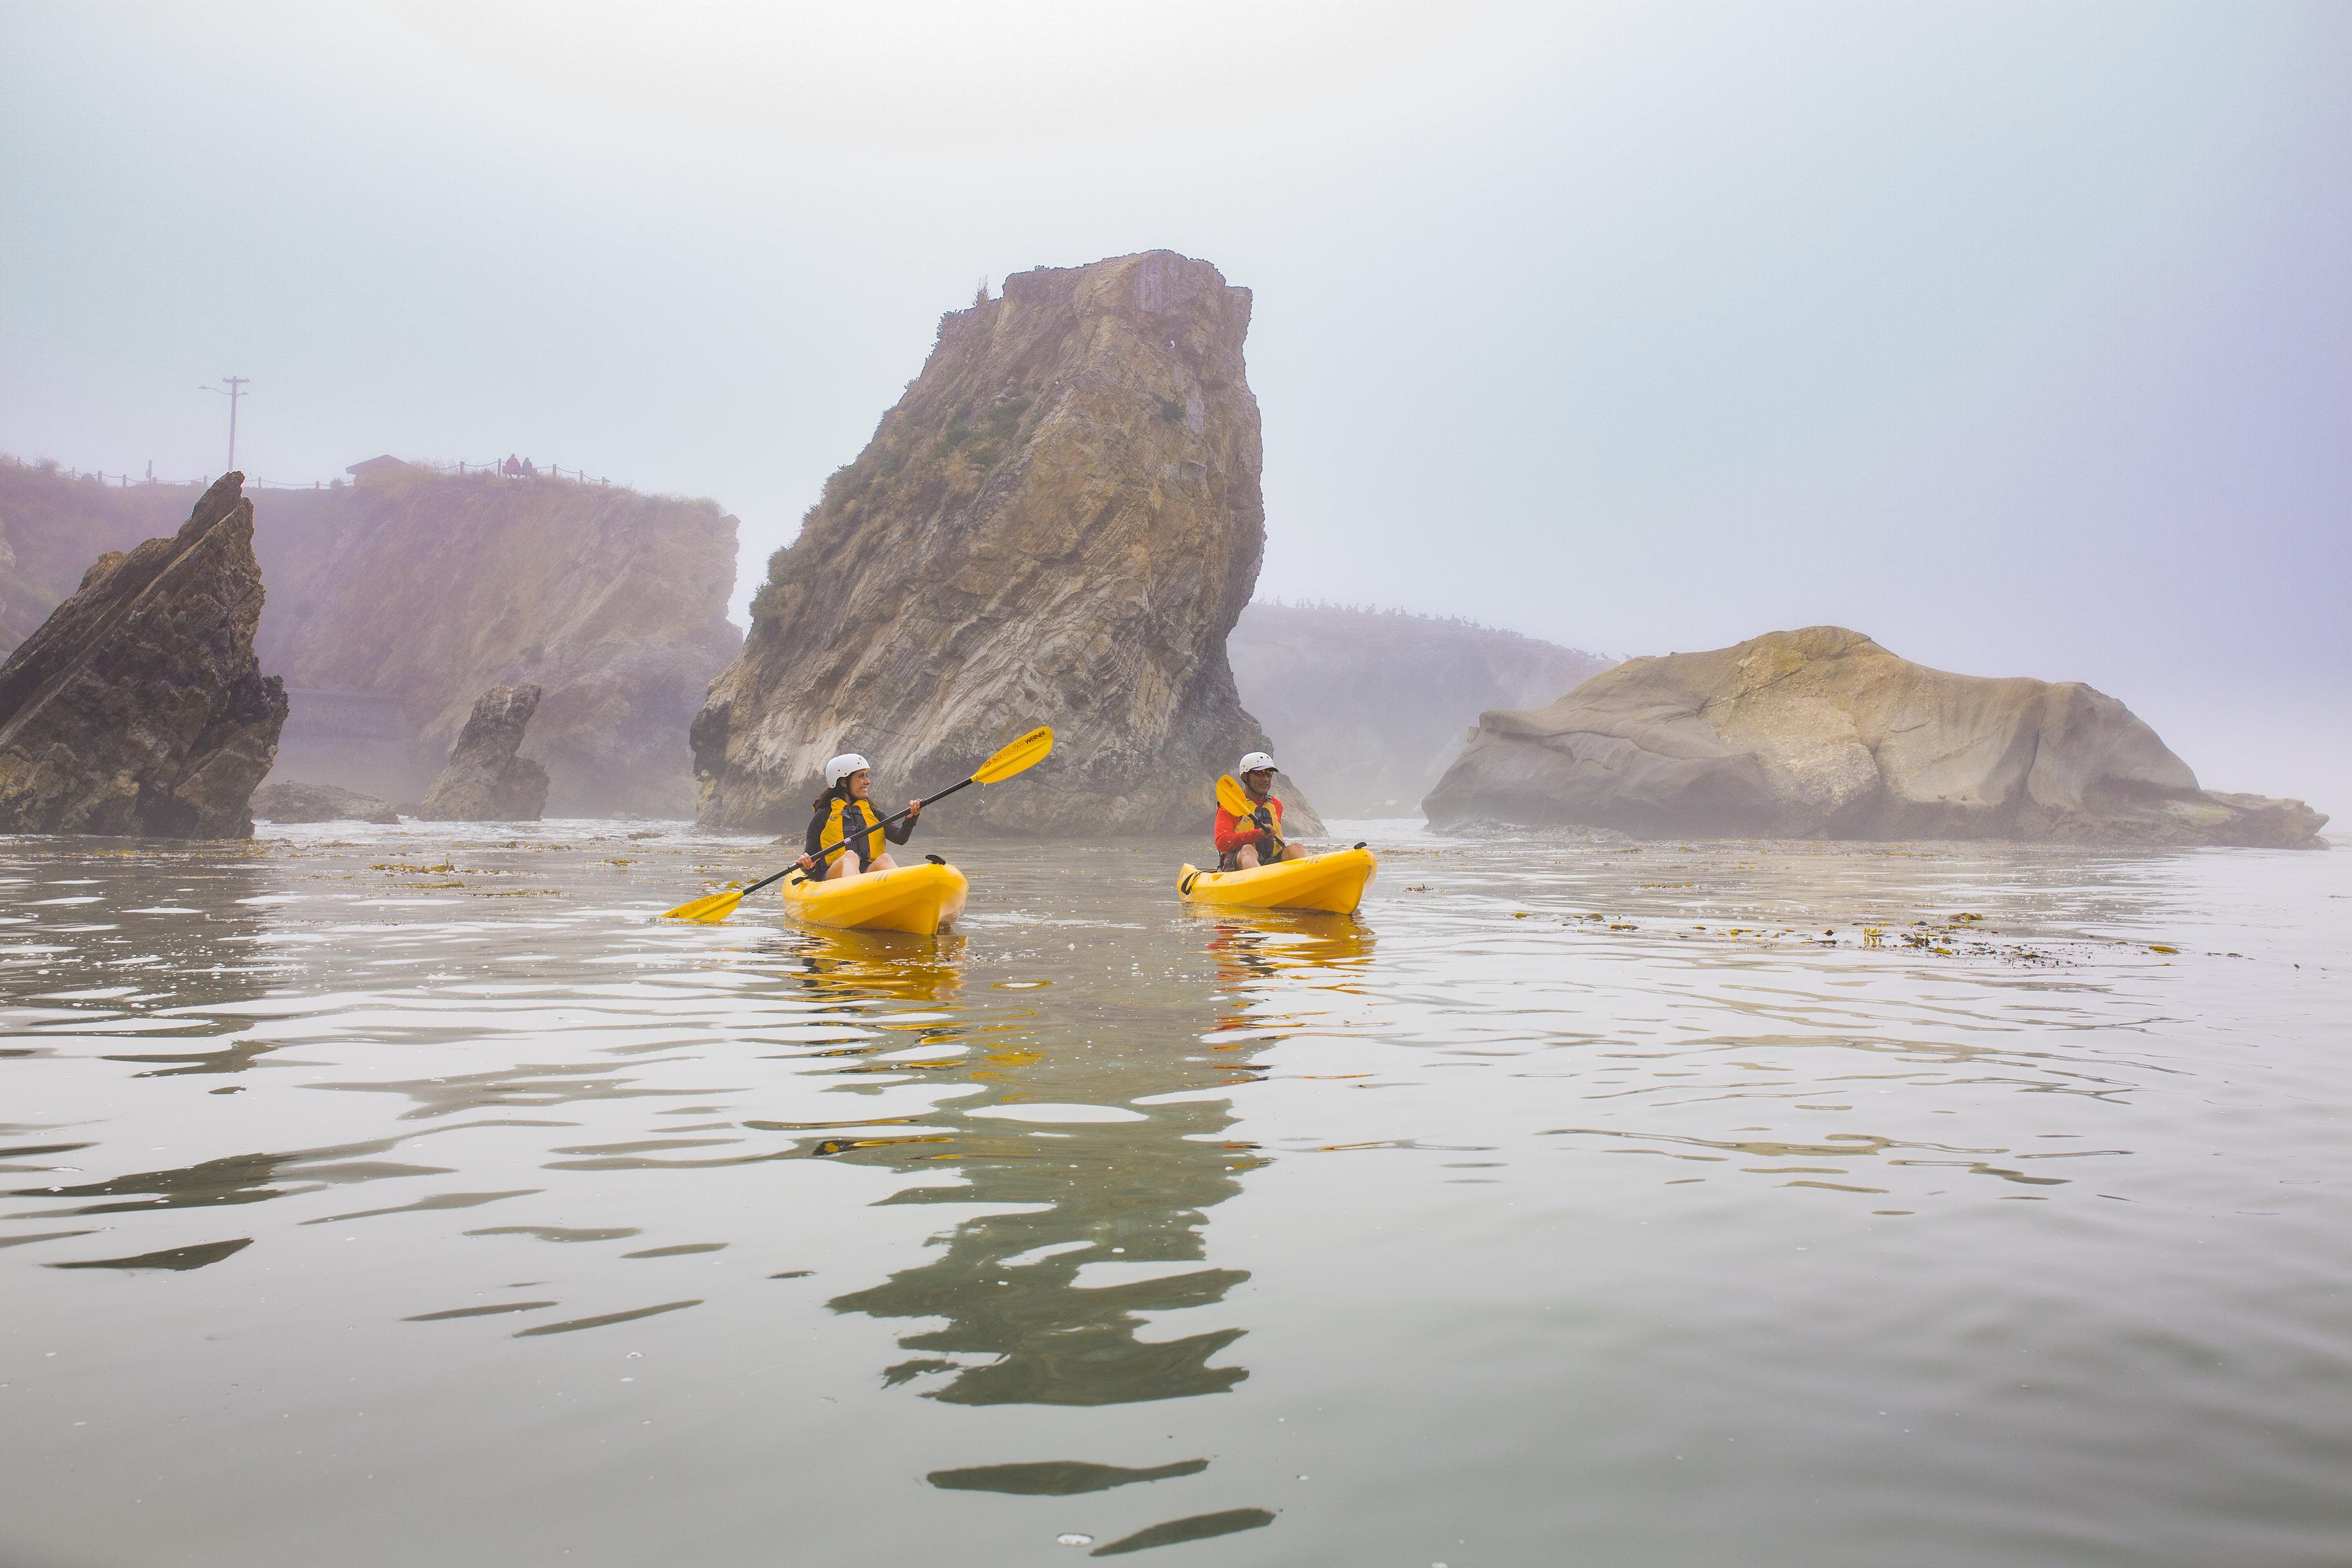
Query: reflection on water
{"x": 1986, "y": 1200}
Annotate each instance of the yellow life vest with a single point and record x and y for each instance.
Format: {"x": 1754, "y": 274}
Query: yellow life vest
{"x": 854, "y": 821}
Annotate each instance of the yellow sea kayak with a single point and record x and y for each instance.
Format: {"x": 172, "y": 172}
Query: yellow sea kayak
{"x": 917, "y": 898}
{"x": 1333, "y": 883}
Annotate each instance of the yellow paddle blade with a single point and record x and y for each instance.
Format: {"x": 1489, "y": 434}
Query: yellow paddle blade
{"x": 1022, "y": 754}
{"x": 709, "y": 910}
{"x": 1235, "y": 799}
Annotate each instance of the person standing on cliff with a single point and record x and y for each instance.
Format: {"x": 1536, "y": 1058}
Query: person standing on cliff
{"x": 1239, "y": 837}
{"x": 844, "y": 817}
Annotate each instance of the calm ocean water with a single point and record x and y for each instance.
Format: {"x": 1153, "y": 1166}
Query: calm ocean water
{"x": 407, "y": 1195}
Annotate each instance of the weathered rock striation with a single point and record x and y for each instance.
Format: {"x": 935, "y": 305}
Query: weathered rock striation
{"x": 1059, "y": 523}
{"x": 1369, "y": 705}
{"x": 393, "y": 602}
{"x": 138, "y": 706}
{"x": 291, "y": 800}
{"x": 485, "y": 780}
{"x": 1821, "y": 733}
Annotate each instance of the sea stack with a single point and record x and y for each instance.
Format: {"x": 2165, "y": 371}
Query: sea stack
{"x": 485, "y": 780}
{"x": 138, "y": 706}
{"x": 1057, "y": 524}
{"x": 1821, "y": 733}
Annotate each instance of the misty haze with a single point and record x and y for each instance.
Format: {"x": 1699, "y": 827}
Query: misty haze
{"x": 1455, "y": 785}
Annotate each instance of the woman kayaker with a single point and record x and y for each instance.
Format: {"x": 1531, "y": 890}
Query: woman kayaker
{"x": 845, "y": 816}
{"x": 1239, "y": 838}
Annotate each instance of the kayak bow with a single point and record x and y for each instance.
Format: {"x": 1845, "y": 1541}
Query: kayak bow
{"x": 914, "y": 899}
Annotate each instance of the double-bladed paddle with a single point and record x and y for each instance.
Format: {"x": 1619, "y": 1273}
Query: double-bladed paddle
{"x": 1022, "y": 754}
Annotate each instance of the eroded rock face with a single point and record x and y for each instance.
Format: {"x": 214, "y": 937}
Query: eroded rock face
{"x": 485, "y": 780}
{"x": 138, "y": 706}
{"x": 1821, "y": 733}
{"x": 1057, "y": 524}
{"x": 291, "y": 800}
{"x": 1368, "y": 706}
{"x": 429, "y": 588}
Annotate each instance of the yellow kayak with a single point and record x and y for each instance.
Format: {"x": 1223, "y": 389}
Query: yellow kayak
{"x": 917, "y": 898}
{"x": 1333, "y": 883}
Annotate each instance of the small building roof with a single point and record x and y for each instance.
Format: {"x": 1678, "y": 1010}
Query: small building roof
{"x": 375, "y": 466}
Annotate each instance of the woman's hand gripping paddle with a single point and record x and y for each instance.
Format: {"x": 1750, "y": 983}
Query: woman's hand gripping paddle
{"x": 1236, "y": 804}
{"x": 1021, "y": 756}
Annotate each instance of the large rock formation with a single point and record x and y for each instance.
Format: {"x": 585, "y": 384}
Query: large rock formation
{"x": 485, "y": 780}
{"x": 394, "y": 603}
{"x": 291, "y": 800}
{"x": 1058, "y": 524}
{"x": 1368, "y": 706}
{"x": 1823, "y": 734}
{"x": 138, "y": 707}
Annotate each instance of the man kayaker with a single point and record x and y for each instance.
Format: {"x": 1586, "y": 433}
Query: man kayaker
{"x": 1239, "y": 837}
{"x": 843, "y": 814}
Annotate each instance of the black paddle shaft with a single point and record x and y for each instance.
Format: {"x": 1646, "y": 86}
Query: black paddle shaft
{"x": 837, "y": 842}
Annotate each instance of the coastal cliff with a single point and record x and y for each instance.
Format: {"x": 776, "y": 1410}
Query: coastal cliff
{"x": 137, "y": 706}
{"x": 395, "y": 603}
{"x": 52, "y": 526}
{"x": 1059, "y": 523}
{"x": 1368, "y": 707}
{"x": 429, "y": 588}
{"x": 1821, "y": 733}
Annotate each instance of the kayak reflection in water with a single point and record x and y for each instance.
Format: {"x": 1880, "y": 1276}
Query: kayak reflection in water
{"x": 1253, "y": 838}
{"x": 843, "y": 816}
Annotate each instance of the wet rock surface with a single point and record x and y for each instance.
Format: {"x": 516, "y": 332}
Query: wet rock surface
{"x": 291, "y": 800}
{"x": 485, "y": 780}
{"x": 1058, "y": 525}
{"x": 1822, "y": 733}
{"x": 138, "y": 706}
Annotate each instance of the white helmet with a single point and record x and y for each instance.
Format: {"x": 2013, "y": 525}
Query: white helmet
{"x": 842, "y": 766}
{"x": 1256, "y": 761}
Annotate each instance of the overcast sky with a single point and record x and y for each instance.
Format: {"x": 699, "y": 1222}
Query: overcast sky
{"x": 2018, "y": 337}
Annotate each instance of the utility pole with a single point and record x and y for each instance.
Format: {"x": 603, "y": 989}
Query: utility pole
{"x": 236, "y": 385}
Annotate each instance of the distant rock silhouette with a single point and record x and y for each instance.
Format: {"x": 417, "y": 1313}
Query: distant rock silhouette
{"x": 1058, "y": 524}
{"x": 1367, "y": 707}
{"x": 485, "y": 780}
{"x": 1821, "y": 733}
{"x": 291, "y": 800}
{"x": 138, "y": 706}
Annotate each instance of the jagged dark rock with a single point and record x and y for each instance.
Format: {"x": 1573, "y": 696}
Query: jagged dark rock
{"x": 1821, "y": 733}
{"x": 485, "y": 780}
{"x": 292, "y": 800}
{"x": 1057, "y": 524}
{"x": 138, "y": 706}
